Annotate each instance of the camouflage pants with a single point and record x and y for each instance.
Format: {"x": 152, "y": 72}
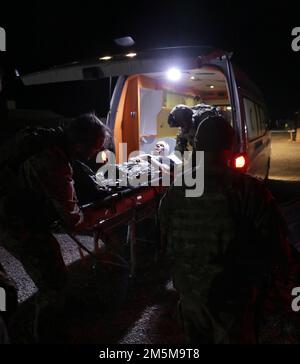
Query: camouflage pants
{"x": 202, "y": 327}
{"x": 40, "y": 256}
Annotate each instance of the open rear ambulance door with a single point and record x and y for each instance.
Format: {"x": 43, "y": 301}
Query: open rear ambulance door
{"x": 124, "y": 116}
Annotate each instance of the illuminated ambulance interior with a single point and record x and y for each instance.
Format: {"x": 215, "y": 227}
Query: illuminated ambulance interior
{"x": 147, "y": 99}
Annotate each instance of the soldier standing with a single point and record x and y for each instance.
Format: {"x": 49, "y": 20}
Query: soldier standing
{"x": 188, "y": 119}
{"x": 222, "y": 245}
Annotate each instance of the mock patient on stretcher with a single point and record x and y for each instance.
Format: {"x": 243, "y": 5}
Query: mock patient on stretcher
{"x": 140, "y": 171}
{"x": 160, "y": 157}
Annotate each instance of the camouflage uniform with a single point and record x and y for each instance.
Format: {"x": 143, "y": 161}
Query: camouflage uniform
{"x": 221, "y": 246}
{"x": 42, "y": 193}
{"x": 185, "y": 139}
{"x": 186, "y": 135}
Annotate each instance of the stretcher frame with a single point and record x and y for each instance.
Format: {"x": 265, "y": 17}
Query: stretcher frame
{"x": 125, "y": 209}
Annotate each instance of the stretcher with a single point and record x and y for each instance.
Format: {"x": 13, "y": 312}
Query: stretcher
{"x": 124, "y": 208}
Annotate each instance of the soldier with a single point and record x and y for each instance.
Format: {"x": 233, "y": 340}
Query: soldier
{"x": 223, "y": 245}
{"x": 37, "y": 190}
{"x": 187, "y": 119}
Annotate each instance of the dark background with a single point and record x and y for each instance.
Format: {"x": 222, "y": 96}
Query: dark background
{"x": 45, "y": 33}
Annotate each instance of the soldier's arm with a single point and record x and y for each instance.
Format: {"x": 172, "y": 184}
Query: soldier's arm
{"x": 54, "y": 174}
{"x": 181, "y": 141}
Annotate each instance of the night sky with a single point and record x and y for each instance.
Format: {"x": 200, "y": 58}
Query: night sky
{"x": 44, "y": 33}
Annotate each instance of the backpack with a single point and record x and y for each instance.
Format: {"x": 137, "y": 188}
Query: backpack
{"x": 188, "y": 131}
{"x": 25, "y": 144}
{"x": 202, "y": 112}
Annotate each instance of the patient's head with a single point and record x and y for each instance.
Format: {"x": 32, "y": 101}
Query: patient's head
{"x": 162, "y": 148}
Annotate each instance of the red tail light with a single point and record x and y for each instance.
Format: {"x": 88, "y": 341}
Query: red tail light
{"x": 240, "y": 162}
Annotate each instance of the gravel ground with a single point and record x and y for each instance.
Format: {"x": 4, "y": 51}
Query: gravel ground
{"x": 285, "y": 158}
{"x": 113, "y": 308}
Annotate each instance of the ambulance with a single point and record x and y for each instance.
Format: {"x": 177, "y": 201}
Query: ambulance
{"x": 144, "y": 87}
